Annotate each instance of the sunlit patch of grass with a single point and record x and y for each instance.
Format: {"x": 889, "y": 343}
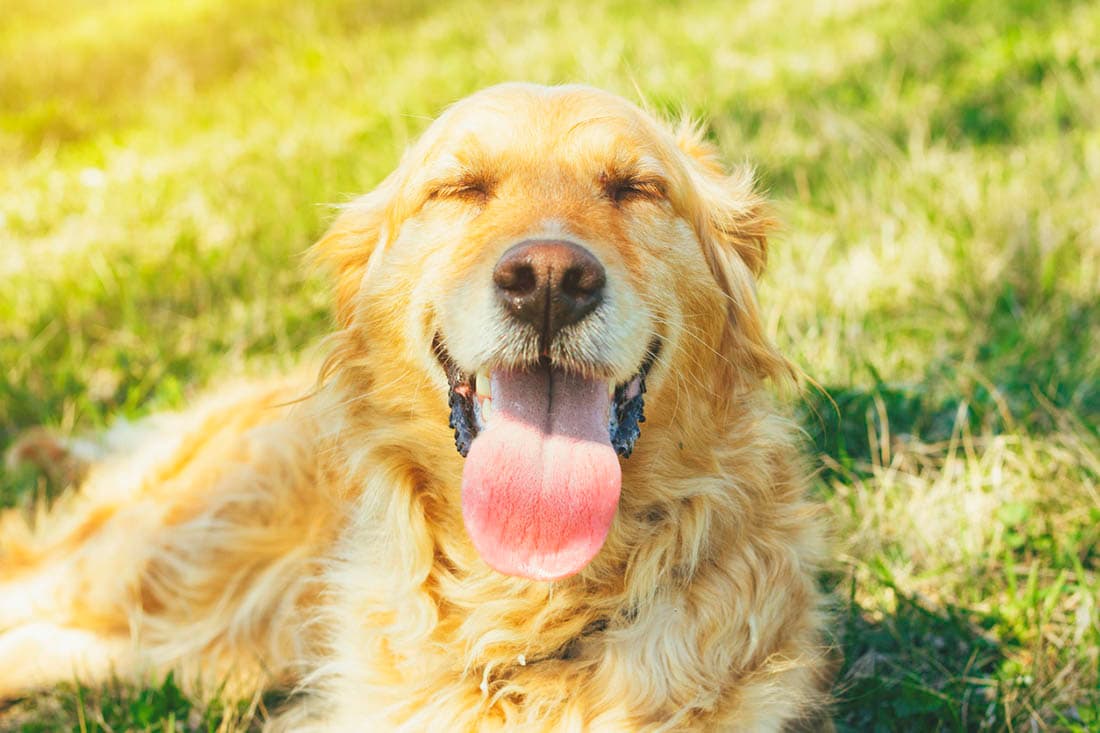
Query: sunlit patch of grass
{"x": 937, "y": 164}
{"x": 972, "y": 580}
{"x": 122, "y": 706}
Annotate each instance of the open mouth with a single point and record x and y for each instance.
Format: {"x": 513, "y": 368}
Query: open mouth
{"x": 541, "y": 481}
{"x": 471, "y": 400}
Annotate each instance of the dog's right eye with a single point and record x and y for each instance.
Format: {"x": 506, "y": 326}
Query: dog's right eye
{"x": 473, "y": 189}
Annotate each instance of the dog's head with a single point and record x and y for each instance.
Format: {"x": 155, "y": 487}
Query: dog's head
{"x": 555, "y": 262}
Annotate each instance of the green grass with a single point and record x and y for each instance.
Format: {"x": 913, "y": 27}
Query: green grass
{"x": 117, "y": 706}
{"x": 937, "y": 164}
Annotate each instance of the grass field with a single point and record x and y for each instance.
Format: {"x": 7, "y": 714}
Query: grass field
{"x": 936, "y": 164}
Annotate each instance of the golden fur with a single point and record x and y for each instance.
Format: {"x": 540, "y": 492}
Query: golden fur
{"x": 319, "y": 542}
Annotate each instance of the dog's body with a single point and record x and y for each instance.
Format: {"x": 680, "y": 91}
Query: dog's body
{"x": 341, "y": 542}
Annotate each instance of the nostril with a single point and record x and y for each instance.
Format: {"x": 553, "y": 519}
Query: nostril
{"x": 516, "y": 278}
{"x": 582, "y": 281}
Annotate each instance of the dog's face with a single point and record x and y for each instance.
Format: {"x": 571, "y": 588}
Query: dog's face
{"x": 557, "y": 262}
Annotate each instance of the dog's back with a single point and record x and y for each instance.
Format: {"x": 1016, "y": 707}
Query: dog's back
{"x": 194, "y": 537}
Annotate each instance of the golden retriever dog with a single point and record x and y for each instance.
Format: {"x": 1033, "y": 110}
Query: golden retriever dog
{"x": 540, "y": 482}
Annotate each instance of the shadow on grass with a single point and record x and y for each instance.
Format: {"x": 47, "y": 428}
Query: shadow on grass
{"x": 1028, "y": 356}
{"x": 917, "y": 669}
{"x": 925, "y": 667}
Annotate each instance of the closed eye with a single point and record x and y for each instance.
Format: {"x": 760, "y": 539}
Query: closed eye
{"x": 468, "y": 188}
{"x": 622, "y": 190}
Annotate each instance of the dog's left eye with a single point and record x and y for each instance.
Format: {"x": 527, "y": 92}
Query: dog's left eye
{"x": 628, "y": 189}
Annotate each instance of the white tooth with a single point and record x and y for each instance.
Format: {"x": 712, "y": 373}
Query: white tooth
{"x": 486, "y": 410}
{"x": 483, "y": 385}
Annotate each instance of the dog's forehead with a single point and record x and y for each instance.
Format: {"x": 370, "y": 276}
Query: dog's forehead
{"x": 543, "y": 123}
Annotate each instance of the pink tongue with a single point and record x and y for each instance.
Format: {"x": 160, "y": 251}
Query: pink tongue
{"x": 541, "y": 481}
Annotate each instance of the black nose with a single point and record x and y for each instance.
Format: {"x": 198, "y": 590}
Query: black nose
{"x": 549, "y": 284}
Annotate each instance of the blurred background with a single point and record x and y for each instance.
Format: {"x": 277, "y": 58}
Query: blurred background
{"x": 164, "y": 163}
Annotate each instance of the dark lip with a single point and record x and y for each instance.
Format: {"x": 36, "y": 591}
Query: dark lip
{"x": 627, "y": 409}
{"x": 450, "y": 369}
{"x": 627, "y": 405}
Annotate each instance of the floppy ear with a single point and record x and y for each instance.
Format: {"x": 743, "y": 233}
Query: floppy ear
{"x": 354, "y": 244}
{"x": 732, "y": 222}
